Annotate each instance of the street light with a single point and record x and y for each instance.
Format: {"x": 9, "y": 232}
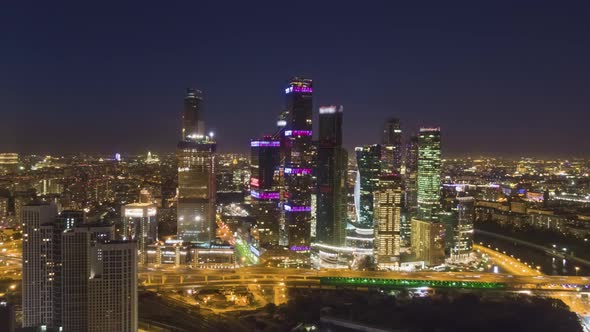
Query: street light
{"x": 577, "y": 269}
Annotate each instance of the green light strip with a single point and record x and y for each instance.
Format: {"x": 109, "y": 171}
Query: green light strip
{"x": 343, "y": 281}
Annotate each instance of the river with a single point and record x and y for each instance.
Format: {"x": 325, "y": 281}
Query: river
{"x": 549, "y": 265}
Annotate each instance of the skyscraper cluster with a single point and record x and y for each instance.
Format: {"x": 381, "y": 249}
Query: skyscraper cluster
{"x": 300, "y": 191}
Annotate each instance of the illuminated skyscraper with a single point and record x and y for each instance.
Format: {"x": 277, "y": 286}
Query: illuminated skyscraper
{"x": 391, "y": 151}
{"x": 429, "y": 169}
{"x": 428, "y": 234}
{"x": 298, "y": 162}
{"x": 331, "y": 172}
{"x": 265, "y": 188}
{"x": 196, "y": 175}
{"x": 388, "y": 197}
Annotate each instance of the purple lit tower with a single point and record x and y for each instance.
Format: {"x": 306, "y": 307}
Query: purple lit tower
{"x": 265, "y": 187}
{"x": 297, "y": 163}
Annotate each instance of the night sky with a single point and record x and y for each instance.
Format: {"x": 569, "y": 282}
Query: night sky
{"x": 100, "y": 76}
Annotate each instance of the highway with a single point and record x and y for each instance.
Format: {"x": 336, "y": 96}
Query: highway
{"x": 520, "y": 277}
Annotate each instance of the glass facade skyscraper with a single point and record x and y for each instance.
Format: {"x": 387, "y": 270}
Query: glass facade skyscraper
{"x": 428, "y": 234}
{"x": 429, "y": 170}
{"x": 368, "y": 159}
{"x": 298, "y": 163}
{"x": 331, "y": 171}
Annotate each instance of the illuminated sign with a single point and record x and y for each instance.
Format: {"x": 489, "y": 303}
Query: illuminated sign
{"x": 298, "y": 89}
{"x": 265, "y": 195}
{"x": 298, "y": 132}
{"x": 281, "y": 123}
{"x": 254, "y": 182}
{"x": 297, "y": 208}
{"x": 299, "y": 248}
{"x": 256, "y": 144}
{"x": 134, "y": 213}
{"x": 140, "y": 212}
{"x": 289, "y": 170}
{"x": 117, "y": 156}
{"x": 429, "y": 129}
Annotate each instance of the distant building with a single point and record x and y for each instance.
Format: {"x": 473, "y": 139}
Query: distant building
{"x": 388, "y": 196}
{"x": 8, "y": 163}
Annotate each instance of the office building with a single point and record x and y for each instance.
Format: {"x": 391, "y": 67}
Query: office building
{"x": 388, "y": 197}
{"x": 428, "y": 241}
{"x": 140, "y": 224}
{"x": 331, "y": 172}
{"x": 429, "y": 169}
{"x": 196, "y": 175}
{"x": 298, "y": 158}
{"x": 391, "y": 147}
{"x": 265, "y": 189}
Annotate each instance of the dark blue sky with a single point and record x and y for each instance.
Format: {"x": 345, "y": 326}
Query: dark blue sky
{"x": 499, "y": 77}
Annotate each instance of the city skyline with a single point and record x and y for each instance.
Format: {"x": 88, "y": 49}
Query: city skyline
{"x": 194, "y": 166}
{"x": 497, "y": 80}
